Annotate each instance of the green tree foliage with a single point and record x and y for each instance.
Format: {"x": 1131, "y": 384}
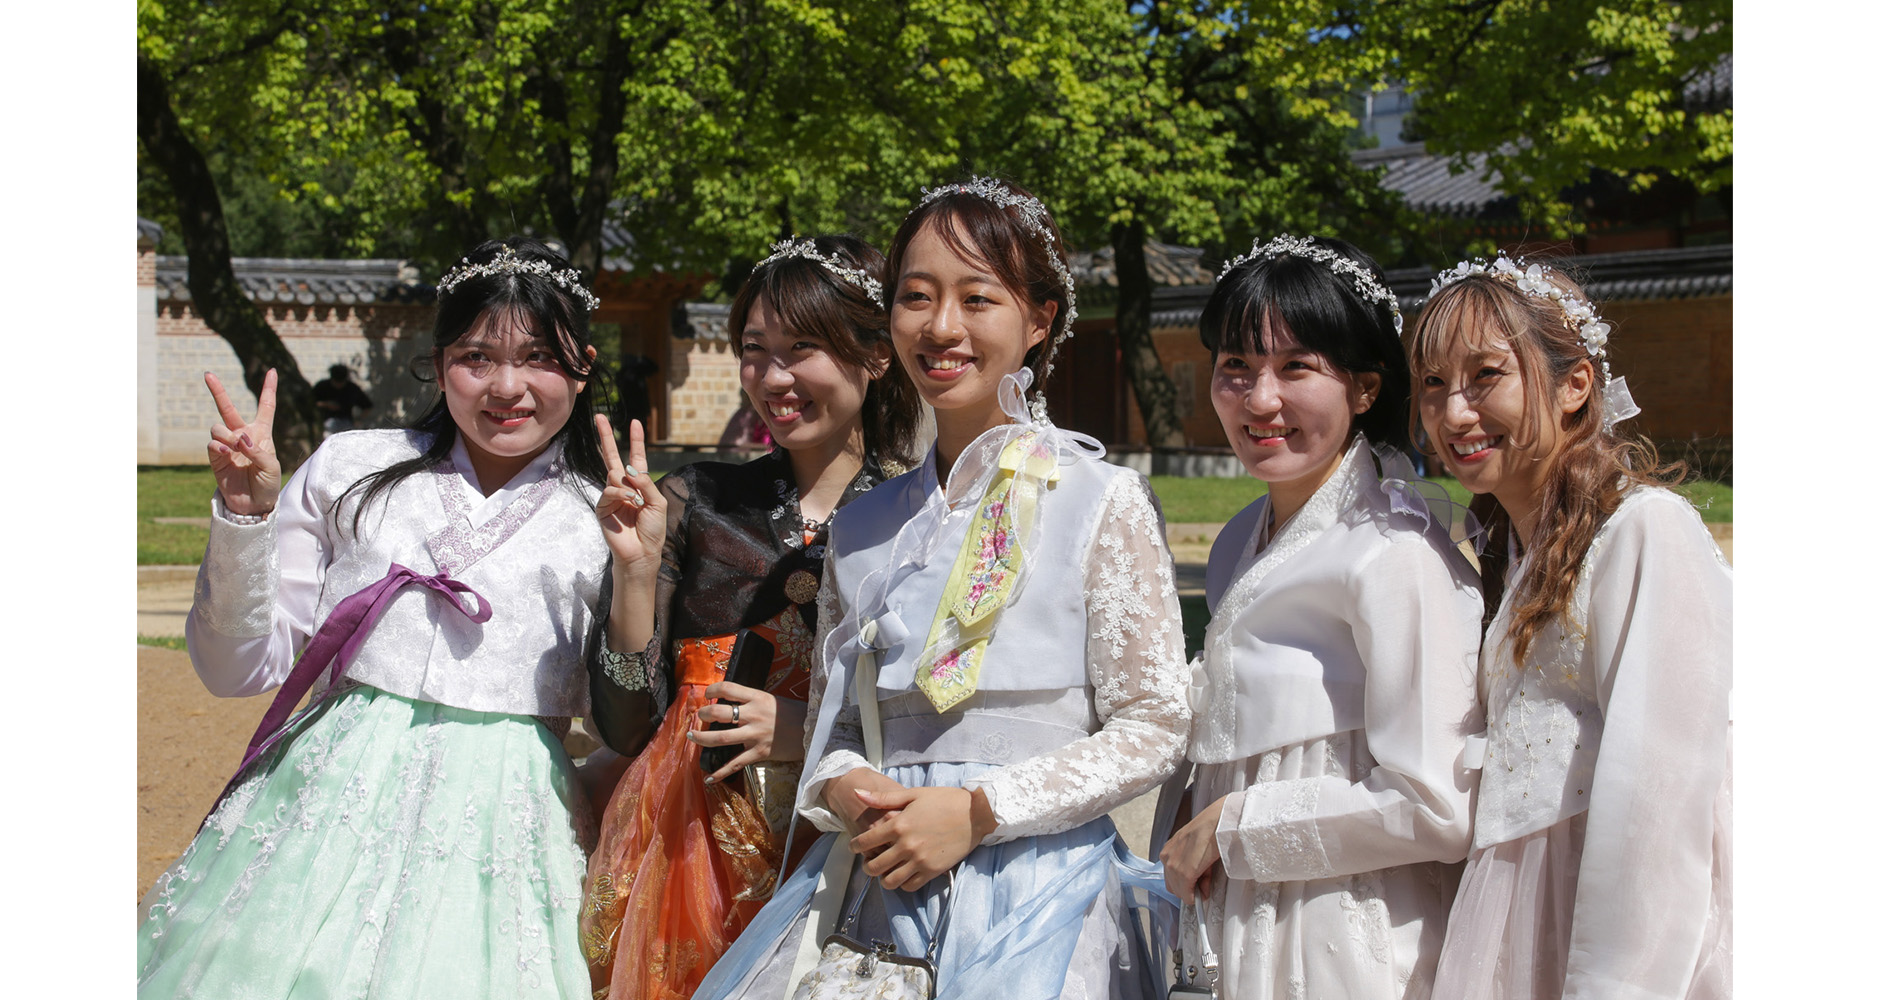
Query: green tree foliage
{"x": 1547, "y": 92}
{"x": 709, "y": 129}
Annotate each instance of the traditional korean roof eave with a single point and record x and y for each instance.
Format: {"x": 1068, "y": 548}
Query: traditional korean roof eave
{"x": 1427, "y": 182}
{"x": 304, "y": 281}
{"x": 1634, "y": 275}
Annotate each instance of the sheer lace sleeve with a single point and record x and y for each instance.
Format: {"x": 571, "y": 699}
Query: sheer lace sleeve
{"x": 844, "y": 749}
{"x": 255, "y": 603}
{"x": 1137, "y": 666}
{"x": 1415, "y": 627}
{"x": 627, "y": 717}
{"x": 1660, "y": 621}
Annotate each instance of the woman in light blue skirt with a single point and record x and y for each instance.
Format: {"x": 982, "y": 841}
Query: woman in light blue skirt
{"x": 1010, "y": 609}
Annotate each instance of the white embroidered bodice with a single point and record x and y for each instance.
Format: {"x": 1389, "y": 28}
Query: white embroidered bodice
{"x": 1341, "y": 669}
{"x": 1653, "y": 583}
{"x": 1081, "y": 700}
{"x": 531, "y": 549}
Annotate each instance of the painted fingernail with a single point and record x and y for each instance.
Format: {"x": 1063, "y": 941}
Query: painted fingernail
{"x": 245, "y": 440}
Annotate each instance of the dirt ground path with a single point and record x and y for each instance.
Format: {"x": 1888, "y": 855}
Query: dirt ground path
{"x": 189, "y": 743}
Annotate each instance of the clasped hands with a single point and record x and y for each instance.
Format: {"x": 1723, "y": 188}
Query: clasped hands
{"x": 908, "y": 836}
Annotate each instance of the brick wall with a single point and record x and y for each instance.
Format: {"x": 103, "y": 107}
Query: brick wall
{"x": 1677, "y": 355}
{"x": 702, "y": 379}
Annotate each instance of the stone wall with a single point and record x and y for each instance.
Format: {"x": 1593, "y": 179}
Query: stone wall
{"x": 376, "y": 341}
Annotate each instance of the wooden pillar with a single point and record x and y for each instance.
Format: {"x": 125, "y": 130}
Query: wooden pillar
{"x": 643, "y": 307}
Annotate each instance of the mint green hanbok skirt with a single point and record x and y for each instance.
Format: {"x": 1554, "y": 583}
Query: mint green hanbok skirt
{"x": 386, "y": 848}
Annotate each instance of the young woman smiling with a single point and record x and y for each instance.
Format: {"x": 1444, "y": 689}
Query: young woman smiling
{"x": 418, "y": 831}
{"x": 1006, "y": 665}
{"x": 1339, "y": 679}
{"x": 1602, "y": 845}
{"x": 713, "y": 552}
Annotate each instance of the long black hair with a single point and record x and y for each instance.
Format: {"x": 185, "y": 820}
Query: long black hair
{"x": 817, "y": 302}
{"x": 540, "y": 305}
{"x": 1322, "y": 312}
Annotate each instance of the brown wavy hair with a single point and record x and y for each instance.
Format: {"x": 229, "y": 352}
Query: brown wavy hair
{"x": 1590, "y": 468}
{"x": 817, "y": 303}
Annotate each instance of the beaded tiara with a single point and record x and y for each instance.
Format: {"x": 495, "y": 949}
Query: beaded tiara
{"x": 1368, "y": 287}
{"x": 509, "y": 262}
{"x": 808, "y": 250}
{"x": 1032, "y": 211}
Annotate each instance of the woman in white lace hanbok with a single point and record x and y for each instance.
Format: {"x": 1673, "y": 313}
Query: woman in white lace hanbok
{"x": 1328, "y": 807}
{"x": 1015, "y": 598}
{"x": 1601, "y": 854}
{"x": 419, "y": 830}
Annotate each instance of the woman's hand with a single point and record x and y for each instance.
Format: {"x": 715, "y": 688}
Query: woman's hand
{"x": 923, "y": 832}
{"x": 632, "y": 511}
{"x": 1188, "y": 858}
{"x": 841, "y": 797}
{"x": 772, "y": 728}
{"x": 243, "y": 456}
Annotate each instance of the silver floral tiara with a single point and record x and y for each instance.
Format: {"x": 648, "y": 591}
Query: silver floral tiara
{"x": 509, "y": 262}
{"x": 808, "y": 250}
{"x": 1037, "y": 216}
{"x": 1368, "y": 287}
{"x": 1592, "y": 333}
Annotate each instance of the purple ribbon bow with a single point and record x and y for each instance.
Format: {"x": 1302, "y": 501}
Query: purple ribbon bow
{"x": 337, "y": 641}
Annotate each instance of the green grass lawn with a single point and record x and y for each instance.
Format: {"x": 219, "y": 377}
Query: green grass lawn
{"x": 185, "y": 491}
{"x": 1191, "y": 500}
{"x": 173, "y": 491}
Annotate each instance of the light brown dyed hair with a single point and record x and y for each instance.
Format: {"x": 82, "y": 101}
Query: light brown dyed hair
{"x": 1591, "y": 468}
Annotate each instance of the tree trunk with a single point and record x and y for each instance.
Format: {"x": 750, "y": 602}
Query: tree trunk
{"x": 1154, "y": 391}
{"x": 215, "y": 293}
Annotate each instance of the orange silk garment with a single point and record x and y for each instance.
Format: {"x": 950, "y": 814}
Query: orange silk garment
{"x": 683, "y": 866}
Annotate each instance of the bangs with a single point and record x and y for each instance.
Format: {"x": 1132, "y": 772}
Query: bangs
{"x": 1472, "y": 314}
{"x": 810, "y": 301}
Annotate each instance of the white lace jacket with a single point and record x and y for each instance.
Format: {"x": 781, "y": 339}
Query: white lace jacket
{"x": 1082, "y": 694}
{"x": 531, "y": 549}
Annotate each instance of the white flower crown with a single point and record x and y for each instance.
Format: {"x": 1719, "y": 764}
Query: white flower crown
{"x": 807, "y": 249}
{"x": 1033, "y": 212}
{"x": 1368, "y": 287}
{"x": 1579, "y": 315}
{"x": 1532, "y": 279}
{"x": 509, "y": 262}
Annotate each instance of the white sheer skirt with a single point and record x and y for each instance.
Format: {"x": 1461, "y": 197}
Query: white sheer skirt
{"x": 1369, "y": 936}
{"x": 1509, "y": 933}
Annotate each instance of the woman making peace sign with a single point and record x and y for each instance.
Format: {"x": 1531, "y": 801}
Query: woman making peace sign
{"x": 712, "y": 556}
{"x": 418, "y": 831}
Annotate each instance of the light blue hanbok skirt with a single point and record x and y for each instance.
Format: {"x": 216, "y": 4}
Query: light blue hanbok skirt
{"x": 1052, "y": 916}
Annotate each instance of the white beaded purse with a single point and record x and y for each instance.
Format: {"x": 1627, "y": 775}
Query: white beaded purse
{"x": 850, "y": 969}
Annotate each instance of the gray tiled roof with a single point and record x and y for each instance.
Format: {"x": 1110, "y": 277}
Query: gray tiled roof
{"x": 1678, "y": 273}
{"x": 1426, "y": 181}
{"x": 150, "y": 231}
{"x": 1168, "y": 266}
{"x": 1675, "y": 273}
{"x": 308, "y": 282}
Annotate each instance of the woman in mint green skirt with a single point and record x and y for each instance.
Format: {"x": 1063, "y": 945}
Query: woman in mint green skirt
{"x": 418, "y": 830}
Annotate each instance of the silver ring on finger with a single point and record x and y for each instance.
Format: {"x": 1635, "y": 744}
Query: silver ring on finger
{"x": 735, "y": 715}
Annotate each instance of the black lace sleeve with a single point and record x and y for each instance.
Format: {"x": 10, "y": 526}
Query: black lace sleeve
{"x": 628, "y": 716}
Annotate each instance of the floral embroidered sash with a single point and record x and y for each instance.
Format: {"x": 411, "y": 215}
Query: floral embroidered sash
{"x": 989, "y": 562}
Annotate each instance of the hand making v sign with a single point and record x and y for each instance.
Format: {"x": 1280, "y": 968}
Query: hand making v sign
{"x": 243, "y": 456}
